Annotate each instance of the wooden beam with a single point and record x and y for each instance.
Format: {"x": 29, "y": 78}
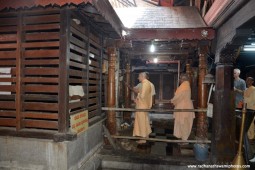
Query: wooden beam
{"x": 170, "y": 34}
{"x": 63, "y": 110}
{"x": 19, "y": 71}
{"x": 161, "y": 140}
{"x": 153, "y": 110}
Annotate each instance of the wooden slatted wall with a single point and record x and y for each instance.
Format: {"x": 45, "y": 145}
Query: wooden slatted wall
{"x": 85, "y": 65}
{"x": 9, "y": 57}
{"x": 40, "y": 69}
{"x": 30, "y": 48}
{"x": 78, "y": 64}
{"x": 94, "y": 75}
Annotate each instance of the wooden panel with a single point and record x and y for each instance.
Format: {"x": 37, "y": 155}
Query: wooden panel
{"x": 40, "y": 124}
{"x": 41, "y": 88}
{"x": 41, "y": 53}
{"x": 78, "y": 49}
{"x": 41, "y": 106}
{"x": 77, "y": 81}
{"x": 7, "y": 80}
{"x": 8, "y": 21}
{"x": 40, "y": 80}
{"x": 41, "y": 71}
{"x": 7, "y": 63}
{"x": 77, "y": 104}
{"x": 93, "y": 88}
{"x": 40, "y": 44}
{"x": 77, "y": 73}
{"x": 38, "y": 115}
{"x": 8, "y": 46}
{"x": 7, "y": 122}
{"x": 77, "y": 65}
{"x": 8, "y": 29}
{"x": 77, "y": 42}
{"x": 42, "y": 19}
{"x": 94, "y": 51}
{"x": 8, "y": 54}
{"x": 7, "y": 105}
{"x": 7, "y": 113}
{"x": 93, "y": 107}
{"x": 93, "y": 101}
{"x": 93, "y": 94}
{"x": 79, "y": 28}
{"x": 42, "y": 36}
{"x": 8, "y": 37}
{"x": 76, "y": 57}
{"x": 7, "y": 88}
{"x": 40, "y": 97}
{"x": 94, "y": 82}
{"x": 40, "y": 62}
{"x": 78, "y": 33}
{"x": 94, "y": 63}
{"x": 93, "y": 75}
{"x": 95, "y": 44}
{"x": 93, "y": 113}
{"x": 41, "y": 27}
{"x": 94, "y": 69}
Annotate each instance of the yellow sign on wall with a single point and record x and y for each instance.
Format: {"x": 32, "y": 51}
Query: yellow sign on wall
{"x": 79, "y": 122}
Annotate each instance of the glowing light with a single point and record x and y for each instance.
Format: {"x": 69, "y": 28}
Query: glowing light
{"x": 249, "y": 49}
{"x": 124, "y": 33}
{"x": 155, "y": 60}
{"x": 152, "y": 48}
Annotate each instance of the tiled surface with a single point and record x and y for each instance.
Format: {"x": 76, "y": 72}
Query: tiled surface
{"x": 160, "y": 17}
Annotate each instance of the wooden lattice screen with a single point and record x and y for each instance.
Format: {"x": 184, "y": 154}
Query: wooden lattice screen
{"x": 42, "y": 53}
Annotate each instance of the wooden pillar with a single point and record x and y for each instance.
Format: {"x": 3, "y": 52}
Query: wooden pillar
{"x": 111, "y": 116}
{"x": 127, "y": 115}
{"x": 202, "y": 94}
{"x": 223, "y": 134}
{"x": 63, "y": 122}
{"x": 189, "y": 73}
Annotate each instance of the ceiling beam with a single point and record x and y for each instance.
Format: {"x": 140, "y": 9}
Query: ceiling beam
{"x": 171, "y": 34}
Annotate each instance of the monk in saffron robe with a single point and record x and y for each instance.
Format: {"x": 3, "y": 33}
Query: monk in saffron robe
{"x": 182, "y": 100}
{"x": 143, "y": 101}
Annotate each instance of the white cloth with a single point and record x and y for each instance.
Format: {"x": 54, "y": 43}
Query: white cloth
{"x": 76, "y": 90}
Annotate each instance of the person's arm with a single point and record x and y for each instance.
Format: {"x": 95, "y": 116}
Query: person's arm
{"x": 178, "y": 96}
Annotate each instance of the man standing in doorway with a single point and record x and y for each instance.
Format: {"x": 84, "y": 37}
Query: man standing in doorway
{"x": 143, "y": 101}
{"x": 183, "y": 121}
{"x": 239, "y": 87}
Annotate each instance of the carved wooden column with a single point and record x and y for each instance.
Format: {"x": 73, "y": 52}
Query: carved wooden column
{"x": 111, "y": 116}
{"x": 202, "y": 94}
{"x": 189, "y": 73}
{"x": 223, "y": 135}
{"x": 127, "y": 115}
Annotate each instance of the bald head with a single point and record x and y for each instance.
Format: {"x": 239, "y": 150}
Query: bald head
{"x": 142, "y": 76}
{"x": 184, "y": 77}
{"x": 249, "y": 81}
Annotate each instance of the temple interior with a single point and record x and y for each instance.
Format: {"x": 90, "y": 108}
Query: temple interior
{"x": 127, "y": 84}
